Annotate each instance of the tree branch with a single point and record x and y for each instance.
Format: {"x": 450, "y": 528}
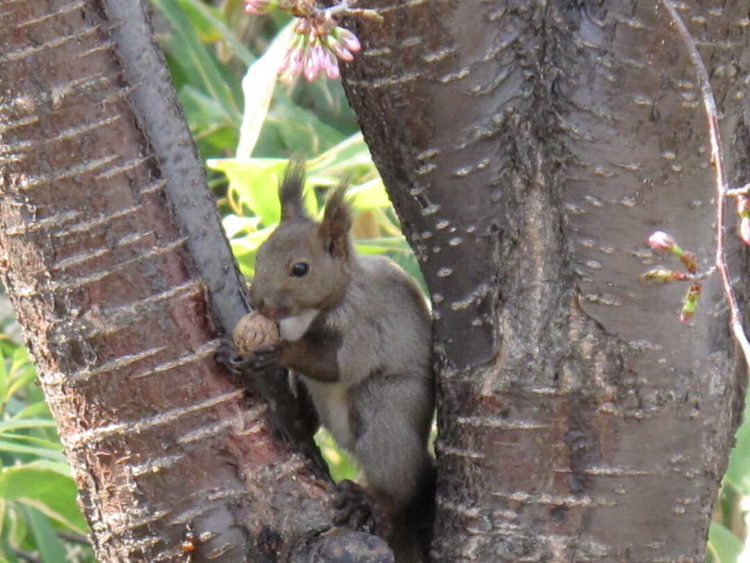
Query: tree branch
{"x": 722, "y": 187}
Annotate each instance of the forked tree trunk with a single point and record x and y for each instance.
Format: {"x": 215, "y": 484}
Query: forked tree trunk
{"x": 531, "y": 148}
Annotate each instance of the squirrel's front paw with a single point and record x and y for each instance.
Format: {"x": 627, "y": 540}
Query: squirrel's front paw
{"x": 260, "y": 360}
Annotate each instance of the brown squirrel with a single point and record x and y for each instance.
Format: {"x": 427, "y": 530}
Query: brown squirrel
{"x": 358, "y": 331}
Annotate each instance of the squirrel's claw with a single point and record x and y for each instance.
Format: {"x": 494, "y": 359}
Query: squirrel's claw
{"x": 262, "y": 359}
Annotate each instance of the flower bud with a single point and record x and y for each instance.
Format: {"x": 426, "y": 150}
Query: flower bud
{"x": 688, "y": 260}
{"x": 340, "y": 51}
{"x": 690, "y": 303}
{"x": 663, "y": 275}
{"x": 660, "y": 240}
{"x": 743, "y": 207}
{"x": 259, "y": 6}
{"x": 347, "y": 39}
{"x": 745, "y": 230}
{"x": 310, "y": 66}
{"x": 332, "y": 71}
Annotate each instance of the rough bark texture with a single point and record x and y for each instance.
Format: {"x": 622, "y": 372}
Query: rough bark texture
{"x": 119, "y": 301}
{"x": 530, "y": 149}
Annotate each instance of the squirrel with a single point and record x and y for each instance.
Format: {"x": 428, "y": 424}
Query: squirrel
{"x": 357, "y": 329}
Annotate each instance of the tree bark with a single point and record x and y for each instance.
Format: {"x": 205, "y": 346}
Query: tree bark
{"x": 530, "y": 149}
{"x": 112, "y": 254}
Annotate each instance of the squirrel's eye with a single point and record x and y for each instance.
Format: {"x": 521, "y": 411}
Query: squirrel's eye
{"x": 300, "y": 269}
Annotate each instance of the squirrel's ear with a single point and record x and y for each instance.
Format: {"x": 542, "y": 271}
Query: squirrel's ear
{"x": 290, "y": 191}
{"x": 337, "y": 221}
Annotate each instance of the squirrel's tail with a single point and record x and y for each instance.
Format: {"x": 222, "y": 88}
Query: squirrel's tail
{"x": 412, "y": 529}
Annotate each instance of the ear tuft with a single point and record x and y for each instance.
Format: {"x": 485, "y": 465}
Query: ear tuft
{"x": 337, "y": 221}
{"x": 290, "y": 191}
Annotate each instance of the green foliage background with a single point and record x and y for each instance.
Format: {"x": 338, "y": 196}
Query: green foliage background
{"x": 246, "y": 126}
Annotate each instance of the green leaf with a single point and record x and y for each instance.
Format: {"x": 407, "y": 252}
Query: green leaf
{"x": 3, "y": 380}
{"x": 340, "y": 464}
{"x": 382, "y": 245}
{"x": 7, "y": 551}
{"x": 46, "y": 453}
{"x": 49, "y": 545}
{"x": 18, "y": 380}
{"x": 203, "y": 111}
{"x": 255, "y": 183}
{"x": 197, "y": 61}
{"x": 16, "y": 423}
{"x": 739, "y": 461}
{"x": 34, "y": 409}
{"x": 46, "y": 489}
{"x": 347, "y": 154}
{"x": 723, "y": 545}
{"x": 20, "y": 359}
{"x": 370, "y": 195}
{"x": 301, "y": 131}
{"x": 211, "y": 25}
{"x": 252, "y": 241}
{"x": 235, "y": 226}
{"x": 49, "y": 445}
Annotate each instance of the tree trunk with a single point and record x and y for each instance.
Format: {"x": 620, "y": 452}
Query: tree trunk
{"x": 112, "y": 254}
{"x": 530, "y": 149}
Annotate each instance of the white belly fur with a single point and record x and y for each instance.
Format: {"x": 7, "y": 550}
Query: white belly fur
{"x": 292, "y": 328}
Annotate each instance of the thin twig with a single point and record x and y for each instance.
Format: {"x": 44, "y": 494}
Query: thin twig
{"x": 717, "y": 155}
{"x": 734, "y": 192}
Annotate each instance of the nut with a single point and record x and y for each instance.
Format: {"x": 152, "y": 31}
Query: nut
{"x": 253, "y": 331}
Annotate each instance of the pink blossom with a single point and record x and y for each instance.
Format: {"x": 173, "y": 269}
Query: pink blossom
{"x": 258, "y": 6}
{"x": 331, "y": 66}
{"x": 310, "y": 66}
{"x": 319, "y": 43}
{"x": 293, "y": 61}
{"x": 340, "y": 51}
{"x": 347, "y": 39}
{"x": 332, "y": 71}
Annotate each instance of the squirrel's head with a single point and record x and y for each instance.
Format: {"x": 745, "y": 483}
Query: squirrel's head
{"x": 303, "y": 264}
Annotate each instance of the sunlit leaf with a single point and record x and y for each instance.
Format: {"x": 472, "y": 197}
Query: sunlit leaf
{"x": 208, "y": 22}
{"x": 257, "y": 87}
{"x": 197, "y": 60}
{"x": 47, "y": 489}
{"x": 49, "y": 545}
{"x": 3, "y": 380}
{"x": 370, "y": 195}
{"x": 739, "y": 461}
{"x": 256, "y": 184}
{"x": 340, "y": 464}
{"x": 39, "y": 408}
{"x": 46, "y": 453}
{"x": 234, "y": 225}
{"x": 723, "y": 544}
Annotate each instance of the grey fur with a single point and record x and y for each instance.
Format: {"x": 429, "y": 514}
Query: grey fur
{"x": 384, "y": 363}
